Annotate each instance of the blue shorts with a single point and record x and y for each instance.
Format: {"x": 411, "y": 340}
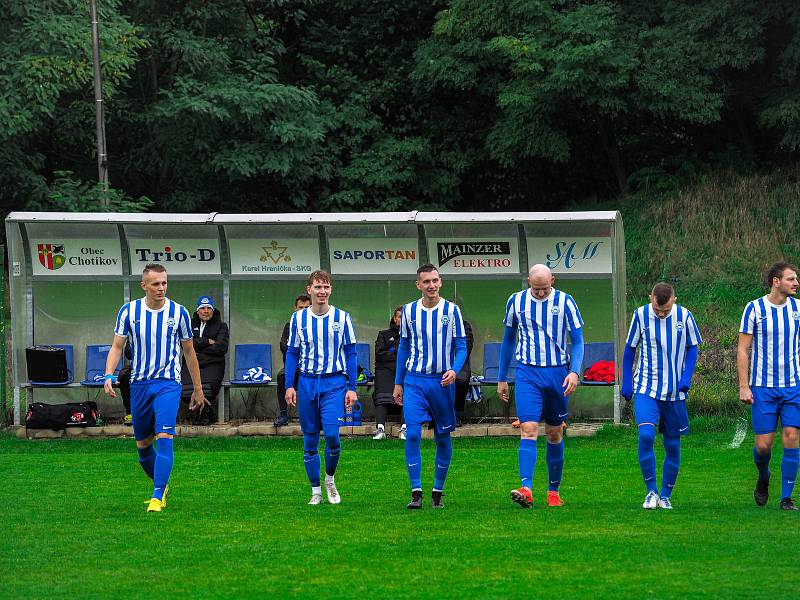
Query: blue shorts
{"x": 320, "y": 401}
{"x": 426, "y": 399}
{"x": 672, "y": 418}
{"x": 539, "y": 392}
{"x": 771, "y": 403}
{"x": 154, "y": 407}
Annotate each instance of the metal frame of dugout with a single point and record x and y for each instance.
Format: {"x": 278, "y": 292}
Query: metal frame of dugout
{"x": 70, "y": 272}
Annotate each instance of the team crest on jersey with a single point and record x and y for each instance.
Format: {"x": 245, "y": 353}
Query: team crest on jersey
{"x": 170, "y": 322}
{"x": 678, "y": 326}
{"x": 336, "y": 326}
{"x": 796, "y": 316}
{"x": 445, "y": 320}
{"x": 555, "y": 310}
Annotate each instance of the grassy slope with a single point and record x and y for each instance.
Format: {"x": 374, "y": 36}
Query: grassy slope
{"x": 237, "y": 524}
{"x": 713, "y": 240}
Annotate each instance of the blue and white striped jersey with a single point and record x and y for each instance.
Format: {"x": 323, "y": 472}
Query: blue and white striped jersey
{"x": 542, "y": 325}
{"x": 662, "y": 352}
{"x": 321, "y": 340}
{"x": 155, "y": 338}
{"x": 775, "y": 356}
{"x": 430, "y": 333}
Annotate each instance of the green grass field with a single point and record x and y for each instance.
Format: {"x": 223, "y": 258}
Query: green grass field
{"x": 237, "y": 524}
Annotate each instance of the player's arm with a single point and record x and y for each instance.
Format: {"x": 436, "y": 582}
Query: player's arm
{"x": 114, "y": 355}
{"x": 198, "y": 400}
{"x": 743, "y": 367}
{"x": 292, "y": 356}
{"x": 403, "y": 352}
{"x": 291, "y": 360}
{"x": 693, "y": 340}
{"x": 506, "y": 352}
{"x": 690, "y": 362}
{"x": 459, "y": 359}
{"x": 351, "y": 360}
{"x": 572, "y": 379}
{"x": 628, "y": 356}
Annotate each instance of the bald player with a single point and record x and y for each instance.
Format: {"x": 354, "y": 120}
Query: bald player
{"x": 546, "y": 376}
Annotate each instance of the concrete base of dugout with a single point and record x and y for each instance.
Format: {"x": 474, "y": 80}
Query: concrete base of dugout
{"x": 267, "y": 429}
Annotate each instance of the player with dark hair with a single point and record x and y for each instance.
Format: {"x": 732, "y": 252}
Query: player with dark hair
{"x": 158, "y": 329}
{"x": 432, "y": 350}
{"x": 769, "y": 377}
{"x": 667, "y": 337}
{"x": 322, "y": 346}
{"x": 545, "y": 378}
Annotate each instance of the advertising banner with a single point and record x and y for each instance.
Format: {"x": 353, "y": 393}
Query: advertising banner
{"x": 571, "y": 255}
{"x": 271, "y": 256}
{"x": 69, "y": 257}
{"x": 179, "y": 256}
{"x": 495, "y": 255}
{"x": 374, "y": 256}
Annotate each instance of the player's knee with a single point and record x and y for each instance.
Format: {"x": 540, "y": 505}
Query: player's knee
{"x": 529, "y": 430}
{"x": 647, "y": 433}
{"x": 332, "y": 440}
{"x": 142, "y": 444}
{"x": 554, "y": 436}
{"x": 413, "y": 435}
{"x": 791, "y": 437}
{"x": 763, "y": 446}
{"x": 164, "y": 435}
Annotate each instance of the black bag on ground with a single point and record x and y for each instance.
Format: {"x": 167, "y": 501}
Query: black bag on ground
{"x": 47, "y": 363}
{"x": 61, "y": 416}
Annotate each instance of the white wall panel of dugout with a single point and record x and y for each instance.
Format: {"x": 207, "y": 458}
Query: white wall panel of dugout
{"x": 70, "y": 272}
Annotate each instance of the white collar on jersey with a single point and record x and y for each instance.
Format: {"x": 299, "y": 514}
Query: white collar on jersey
{"x": 157, "y": 310}
{"x": 323, "y": 315}
{"x": 423, "y": 307}
{"x": 768, "y": 303}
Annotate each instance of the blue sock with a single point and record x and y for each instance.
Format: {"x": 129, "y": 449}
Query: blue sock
{"x": 672, "y": 462}
{"x": 333, "y": 449}
{"x": 527, "y": 461}
{"x": 762, "y": 462}
{"x": 414, "y": 455}
{"x": 163, "y": 466}
{"x": 444, "y": 452}
{"x": 554, "y": 455}
{"x": 311, "y": 457}
{"x": 147, "y": 458}
{"x": 791, "y": 456}
{"x": 647, "y": 456}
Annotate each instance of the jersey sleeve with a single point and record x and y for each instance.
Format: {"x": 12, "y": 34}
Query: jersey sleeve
{"x": 349, "y": 330}
{"x": 748, "y": 319}
{"x": 123, "y": 327}
{"x": 574, "y": 319}
{"x": 635, "y": 331}
{"x": 693, "y": 337}
{"x": 294, "y": 338}
{"x": 458, "y": 323}
{"x": 185, "y": 325}
{"x": 510, "y": 320}
{"x": 405, "y": 330}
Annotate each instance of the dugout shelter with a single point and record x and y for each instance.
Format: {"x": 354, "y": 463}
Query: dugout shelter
{"x": 70, "y": 272}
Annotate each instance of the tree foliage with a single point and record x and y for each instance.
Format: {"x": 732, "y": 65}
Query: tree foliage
{"x": 304, "y": 105}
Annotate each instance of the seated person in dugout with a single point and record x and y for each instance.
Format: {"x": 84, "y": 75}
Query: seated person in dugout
{"x": 385, "y": 369}
{"x": 211, "y": 345}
